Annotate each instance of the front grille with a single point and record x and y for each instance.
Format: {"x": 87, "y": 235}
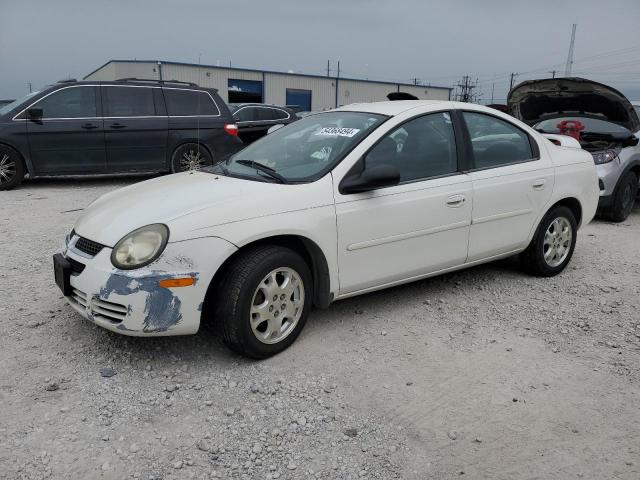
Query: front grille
{"x": 76, "y": 266}
{"x": 113, "y": 312}
{"x": 88, "y": 246}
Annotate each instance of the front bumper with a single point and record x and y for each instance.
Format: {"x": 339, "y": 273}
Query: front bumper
{"x": 608, "y": 175}
{"x": 131, "y": 302}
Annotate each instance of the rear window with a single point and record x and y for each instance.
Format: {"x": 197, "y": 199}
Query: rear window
{"x": 188, "y": 103}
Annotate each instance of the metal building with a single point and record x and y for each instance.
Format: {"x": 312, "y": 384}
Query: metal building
{"x": 237, "y": 85}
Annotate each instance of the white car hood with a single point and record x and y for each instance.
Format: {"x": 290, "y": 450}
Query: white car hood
{"x": 207, "y": 199}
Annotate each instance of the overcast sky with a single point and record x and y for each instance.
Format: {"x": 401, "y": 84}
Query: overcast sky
{"x": 437, "y": 41}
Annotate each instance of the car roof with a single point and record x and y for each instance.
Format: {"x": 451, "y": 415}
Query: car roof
{"x": 396, "y": 107}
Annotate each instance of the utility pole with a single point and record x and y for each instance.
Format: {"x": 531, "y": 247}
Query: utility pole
{"x": 415, "y": 81}
{"x": 466, "y": 87}
{"x": 513, "y": 77}
{"x": 493, "y": 89}
{"x": 569, "y": 65}
{"x": 338, "y": 71}
{"x": 553, "y": 73}
{"x": 328, "y": 67}
{"x": 30, "y": 88}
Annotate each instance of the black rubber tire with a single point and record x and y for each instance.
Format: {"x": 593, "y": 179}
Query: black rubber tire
{"x": 532, "y": 259}
{"x": 624, "y": 198}
{"x": 232, "y": 301}
{"x": 19, "y": 170}
{"x": 177, "y": 159}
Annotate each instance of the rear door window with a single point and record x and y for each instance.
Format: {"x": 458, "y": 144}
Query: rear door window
{"x": 74, "y": 102}
{"x": 280, "y": 114}
{"x": 496, "y": 142}
{"x": 264, "y": 114}
{"x": 189, "y": 103}
{"x": 246, "y": 114}
{"x": 129, "y": 102}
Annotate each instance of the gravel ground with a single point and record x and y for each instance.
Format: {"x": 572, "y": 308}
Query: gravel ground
{"x": 486, "y": 373}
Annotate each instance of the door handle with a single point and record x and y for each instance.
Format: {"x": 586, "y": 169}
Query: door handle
{"x": 89, "y": 126}
{"x": 117, "y": 125}
{"x": 539, "y": 184}
{"x": 455, "y": 201}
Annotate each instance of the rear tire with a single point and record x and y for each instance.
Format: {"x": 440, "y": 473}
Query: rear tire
{"x": 12, "y": 169}
{"x": 263, "y": 301}
{"x": 624, "y": 198}
{"x": 190, "y": 156}
{"x": 552, "y": 245}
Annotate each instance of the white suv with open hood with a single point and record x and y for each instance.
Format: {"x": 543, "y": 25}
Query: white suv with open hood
{"x": 601, "y": 118}
{"x": 336, "y": 204}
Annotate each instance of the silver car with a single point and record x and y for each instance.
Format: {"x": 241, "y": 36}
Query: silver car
{"x": 601, "y": 119}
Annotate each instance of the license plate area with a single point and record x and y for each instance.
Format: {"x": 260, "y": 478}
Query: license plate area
{"x": 62, "y": 273}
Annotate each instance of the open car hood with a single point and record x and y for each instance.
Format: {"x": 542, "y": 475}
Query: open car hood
{"x": 536, "y": 100}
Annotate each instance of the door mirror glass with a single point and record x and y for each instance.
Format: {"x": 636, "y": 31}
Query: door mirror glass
{"x": 275, "y": 127}
{"x": 35, "y": 113}
{"x": 371, "y": 178}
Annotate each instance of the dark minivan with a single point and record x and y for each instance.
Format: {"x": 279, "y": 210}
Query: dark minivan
{"x": 130, "y": 125}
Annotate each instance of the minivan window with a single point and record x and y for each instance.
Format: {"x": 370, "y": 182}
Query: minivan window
{"x": 496, "y": 142}
{"x": 71, "y": 102}
{"x": 128, "y": 102}
{"x": 189, "y": 103}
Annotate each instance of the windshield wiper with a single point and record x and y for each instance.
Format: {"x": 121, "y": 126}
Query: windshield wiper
{"x": 264, "y": 169}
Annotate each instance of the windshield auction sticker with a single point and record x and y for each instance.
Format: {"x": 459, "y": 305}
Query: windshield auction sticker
{"x": 338, "y": 131}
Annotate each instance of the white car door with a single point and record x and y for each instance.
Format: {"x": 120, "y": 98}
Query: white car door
{"x": 411, "y": 229}
{"x": 512, "y": 182}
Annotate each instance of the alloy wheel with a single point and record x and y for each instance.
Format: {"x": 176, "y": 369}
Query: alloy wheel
{"x": 191, "y": 160}
{"x": 557, "y": 242}
{"x": 7, "y": 168}
{"x": 277, "y": 305}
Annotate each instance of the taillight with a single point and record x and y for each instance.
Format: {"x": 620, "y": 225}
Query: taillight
{"x": 231, "y": 129}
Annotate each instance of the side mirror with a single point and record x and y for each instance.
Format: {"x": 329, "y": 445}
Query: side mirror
{"x": 273, "y": 128}
{"x": 378, "y": 176}
{"x": 35, "y": 113}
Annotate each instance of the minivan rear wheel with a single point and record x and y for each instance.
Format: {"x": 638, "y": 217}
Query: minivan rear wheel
{"x": 190, "y": 156}
{"x": 12, "y": 169}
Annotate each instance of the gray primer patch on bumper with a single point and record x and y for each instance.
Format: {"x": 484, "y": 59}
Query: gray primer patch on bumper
{"x": 162, "y": 307}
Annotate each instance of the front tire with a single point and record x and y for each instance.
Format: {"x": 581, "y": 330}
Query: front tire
{"x": 12, "y": 169}
{"x": 190, "y": 156}
{"x": 552, "y": 245}
{"x": 624, "y": 198}
{"x": 263, "y": 301}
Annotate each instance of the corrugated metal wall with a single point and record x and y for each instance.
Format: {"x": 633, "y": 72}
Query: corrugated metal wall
{"x": 323, "y": 90}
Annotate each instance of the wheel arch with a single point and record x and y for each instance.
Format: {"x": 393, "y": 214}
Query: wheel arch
{"x": 305, "y": 247}
{"x": 573, "y": 204}
{"x": 23, "y": 157}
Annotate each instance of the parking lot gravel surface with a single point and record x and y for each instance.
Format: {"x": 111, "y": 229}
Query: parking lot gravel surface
{"x": 486, "y": 373}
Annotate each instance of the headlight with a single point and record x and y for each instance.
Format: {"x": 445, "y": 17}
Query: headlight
{"x": 604, "y": 156}
{"x": 140, "y": 247}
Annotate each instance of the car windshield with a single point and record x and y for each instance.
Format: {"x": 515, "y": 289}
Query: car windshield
{"x": 10, "y": 106}
{"x": 591, "y": 125}
{"x": 305, "y": 149}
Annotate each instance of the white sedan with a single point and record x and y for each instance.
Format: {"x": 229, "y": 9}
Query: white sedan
{"x": 337, "y": 204}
